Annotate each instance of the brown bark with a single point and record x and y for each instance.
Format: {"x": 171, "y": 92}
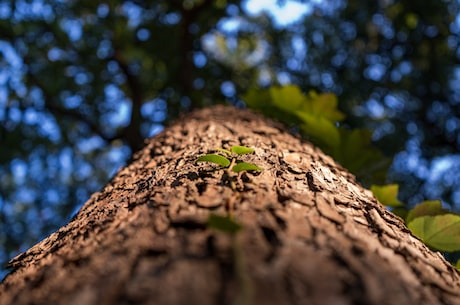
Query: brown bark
{"x": 311, "y": 234}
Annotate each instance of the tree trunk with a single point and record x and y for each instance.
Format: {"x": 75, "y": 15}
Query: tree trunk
{"x": 311, "y": 234}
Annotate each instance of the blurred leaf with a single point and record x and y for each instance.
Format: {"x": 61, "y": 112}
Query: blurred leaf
{"x": 213, "y": 158}
{"x": 411, "y": 20}
{"x": 325, "y": 105}
{"x": 387, "y": 194}
{"x": 243, "y": 166}
{"x": 441, "y": 232}
{"x": 224, "y": 223}
{"x": 354, "y": 143}
{"x": 257, "y": 98}
{"x": 242, "y": 150}
{"x": 262, "y": 101}
{"x": 358, "y": 155}
{"x": 289, "y": 98}
{"x": 320, "y": 129}
{"x": 426, "y": 208}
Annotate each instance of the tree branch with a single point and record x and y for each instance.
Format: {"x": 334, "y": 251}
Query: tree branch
{"x": 132, "y": 132}
{"x": 186, "y": 72}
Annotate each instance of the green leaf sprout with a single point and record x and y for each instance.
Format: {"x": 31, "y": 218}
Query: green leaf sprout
{"x": 233, "y": 164}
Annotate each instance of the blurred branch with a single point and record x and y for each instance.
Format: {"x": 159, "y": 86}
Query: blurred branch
{"x": 132, "y": 133}
{"x": 185, "y": 73}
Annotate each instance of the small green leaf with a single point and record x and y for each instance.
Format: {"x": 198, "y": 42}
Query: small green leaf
{"x": 243, "y": 166}
{"x": 224, "y": 151}
{"x": 242, "y": 150}
{"x": 441, "y": 232}
{"x": 224, "y": 224}
{"x": 387, "y": 195}
{"x": 426, "y": 208}
{"x": 217, "y": 159}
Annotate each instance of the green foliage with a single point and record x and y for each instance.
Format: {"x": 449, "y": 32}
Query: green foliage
{"x": 426, "y": 208}
{"x": 318, "y": 118}
{"x": 441, "y": 232}
{"x": 387, "y": 194}
{"x": 224, "y": 224}
{"x": 225, "y": 162}
{"x": 358, "y": 154}
{"x": 320, "y": 130}
{"x": 437, "y": 227}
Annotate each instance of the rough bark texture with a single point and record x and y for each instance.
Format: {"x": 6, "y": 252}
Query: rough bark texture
{"x": 311, "y": 234}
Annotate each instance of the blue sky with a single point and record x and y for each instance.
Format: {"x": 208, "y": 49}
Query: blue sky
{"x": 284, "y": 14}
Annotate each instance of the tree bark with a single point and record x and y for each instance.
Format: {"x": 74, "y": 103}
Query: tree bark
{"x": 311, "y": 234}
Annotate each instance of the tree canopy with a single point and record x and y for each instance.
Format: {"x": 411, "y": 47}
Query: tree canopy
{"x": 82, "y": 83}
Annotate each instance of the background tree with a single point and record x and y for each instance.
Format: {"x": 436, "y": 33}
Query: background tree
{"x": 82, "y": 83}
